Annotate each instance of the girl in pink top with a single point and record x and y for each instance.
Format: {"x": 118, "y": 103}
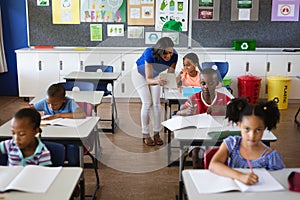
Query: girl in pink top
{"x": 189, "y": 76}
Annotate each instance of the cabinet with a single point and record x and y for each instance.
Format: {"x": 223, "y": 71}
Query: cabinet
{"x": 37, "y": 69}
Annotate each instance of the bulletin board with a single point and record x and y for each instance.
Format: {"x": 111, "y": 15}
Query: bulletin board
{"x": 204, "y": 33}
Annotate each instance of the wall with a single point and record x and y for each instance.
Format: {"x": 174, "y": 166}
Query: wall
{"x": 15, "y": 37}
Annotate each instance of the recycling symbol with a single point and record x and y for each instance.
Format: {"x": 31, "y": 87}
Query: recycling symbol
{"x": 244, "y": 46}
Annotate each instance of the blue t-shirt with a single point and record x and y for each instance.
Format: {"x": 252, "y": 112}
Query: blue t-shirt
{"x": 69, "y": 106}
{"x": 158, "y": 65}
{"x": 270, "y": 161}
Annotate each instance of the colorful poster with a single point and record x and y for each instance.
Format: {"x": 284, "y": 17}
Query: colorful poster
{"x": 96, "y": 32}
{"x": 206, "y": 10}
{"x": 103, "y": 11}
{"x": 171, "y": 15}
{"x": 285, "y": 10}
{"x": 115, "y": 30}
{"x": 244, "y": 4}
{"x": 140, "y": 12}
{"x": 65, "y": 12}
{"x": 135, "y": 32}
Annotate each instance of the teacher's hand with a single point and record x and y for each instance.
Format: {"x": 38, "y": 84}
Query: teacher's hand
{"x": 162, "y": 82}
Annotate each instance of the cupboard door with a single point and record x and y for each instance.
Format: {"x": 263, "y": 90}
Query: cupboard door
{"x": 68, "y": 62}
{"x": 293, "y": 65}
{"x": 294, "y": 89}
{"x": 48, "y": 71}
{"x": 237, "y": 65}
{"x": 27, "y": 74}
{"x": 276, "y": 65}
{"x": 256, "y": 65}
{"x": 214, "y": 57}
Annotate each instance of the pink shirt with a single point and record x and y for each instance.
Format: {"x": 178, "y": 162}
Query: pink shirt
{"x": 188, "y": 80}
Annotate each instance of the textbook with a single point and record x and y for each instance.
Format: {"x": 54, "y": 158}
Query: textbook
{"x": 31, "y": 178}
{"x": 64, "y": 122}
{"x": 198, "y": 121}
{"x": 202, "y": 180}
{"x": 171, "y": 80}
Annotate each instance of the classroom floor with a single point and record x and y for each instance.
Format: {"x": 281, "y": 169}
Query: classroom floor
{"x": 131, "y": 170}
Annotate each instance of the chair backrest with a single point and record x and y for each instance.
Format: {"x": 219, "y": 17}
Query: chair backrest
{"x": 221, "y": 66}
{"x": 86, "y": 107}
{"x": 82, "y": 86}
{"x": 208, "y": 155}
{"x": 3, "y": 159}
{"x": 102, "y": 85}
{"x": 57, "y": 152}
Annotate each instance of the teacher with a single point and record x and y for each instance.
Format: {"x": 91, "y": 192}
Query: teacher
{"x": 146, "y": 80}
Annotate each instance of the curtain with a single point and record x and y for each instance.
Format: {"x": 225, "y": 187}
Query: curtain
{"x": 3, "y": 66}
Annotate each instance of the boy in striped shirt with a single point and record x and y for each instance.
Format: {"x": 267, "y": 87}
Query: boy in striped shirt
{"x": 25, "y": 148}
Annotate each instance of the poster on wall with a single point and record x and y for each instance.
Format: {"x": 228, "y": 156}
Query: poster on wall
{"x": 103, "y": 11}
{"x": 140, "y": 12}
{"x": 152, "y": 37}
{"x": 96, "y": 32}
{"x": 135, "y": 32}
{"x": 206, "y": 10}
{"x": 171, "y": 15}
{"x": 285, "y": 10}
{"x": 65, "y": 12}
{"x": 114, "y": 30}
{"x": 173, "y": 35}
{"x": 42, "y": 3}
{"x": 244, "y": 10}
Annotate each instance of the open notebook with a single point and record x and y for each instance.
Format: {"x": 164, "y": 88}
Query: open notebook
{"x": 202, "y": 181}
{"x": 65, "y": 122}
{"x": 31, "y": 178}
{"x": 197, "y": 121}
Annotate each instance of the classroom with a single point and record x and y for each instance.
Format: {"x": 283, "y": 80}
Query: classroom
{"x": 143, "y": 119}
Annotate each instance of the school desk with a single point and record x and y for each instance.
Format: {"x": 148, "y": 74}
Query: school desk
{"x": 64, "y": 135}
{"x": 92, "y": 97}
{"x": 279, "y": 175}
{"x": 95, "y": 77}
{"x": 199, "y": 137}
{"x": 61, "y": 188}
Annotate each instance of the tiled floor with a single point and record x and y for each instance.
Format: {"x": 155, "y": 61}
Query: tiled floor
{"x": 131, "y": 170}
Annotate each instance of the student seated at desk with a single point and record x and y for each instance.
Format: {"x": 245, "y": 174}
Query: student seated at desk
{"x": 247, "y": 150}
{"x": 57, "y": 105}
{"x": 25, "y": 148}
{"x": 207, "y": 101}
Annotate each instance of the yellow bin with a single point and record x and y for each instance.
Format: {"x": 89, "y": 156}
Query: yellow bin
{"x": 278, "y": 90}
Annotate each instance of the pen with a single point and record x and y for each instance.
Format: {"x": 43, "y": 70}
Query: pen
{"x": 248, "y": 161}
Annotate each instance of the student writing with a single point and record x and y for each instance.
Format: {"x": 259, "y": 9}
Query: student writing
{"x": 25, "y": 148}
{"x": 252, "y": 120}
{"x": 58, "y": 105}
{"x": 207, "y": 101}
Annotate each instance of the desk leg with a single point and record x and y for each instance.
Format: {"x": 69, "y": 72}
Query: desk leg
{"x": 81, "y": 163}
{"x": 166, "y": 112}
{"x": 180, "y": 178}
{"x": 112, "y": 109}
{"x": 169, "y": 147}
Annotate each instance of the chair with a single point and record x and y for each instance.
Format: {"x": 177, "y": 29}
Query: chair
{"x": 208, "y": 155}
{"x": 57, "y": 152}
{"x": 3, "y": 159}
{"x": 83, "y": 86}
{"x": 102, "y": 85}
{"x": 222, "y": 67}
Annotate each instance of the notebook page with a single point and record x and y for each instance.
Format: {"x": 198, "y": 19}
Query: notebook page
{"x": 66, "y": 122}
{"x": 208, "y": 182}
{"x": 177, "y": 122}
{"x": 171, "y": 80}
{"x": 202, "y": 121}
{"x": 36, "y": 179}
{"x": 7, "y": 174}
{"x": 266, "y": 183}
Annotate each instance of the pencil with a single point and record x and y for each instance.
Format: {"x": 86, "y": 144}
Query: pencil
{"x": 248, "y": 161}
